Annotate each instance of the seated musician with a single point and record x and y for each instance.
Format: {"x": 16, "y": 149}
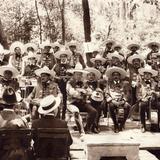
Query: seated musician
{"x": 9, "y": 149}
{"x": 95, "y": 94}
{"x": 77, "y": 98}
{"x": 147, "y": 95}
{"x": 117, "y": 96}
{"x": 48, "y": 109}
{"x": 45, "y": 86}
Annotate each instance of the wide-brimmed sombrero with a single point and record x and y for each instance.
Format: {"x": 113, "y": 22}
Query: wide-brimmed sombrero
{"x": 133, "y": 45}
{"x": 63, "y": 52}
{"x": 95, "y": 71}
{"x": 72, "y": 43}
{"x": 78, "y": 68}
{"x": 15, "y": 45}
{"x": 98, "y": 58}
{"x": 49, "y": 104}
{"x": 56, "y": 44}
{"x": 117, "y": 45}
{"x": 30, "y": 45}
{"x": 115, "y": 54}
{"x": 153, "y": 44}
{"x": 30, "y": 55}
{"x": 45, "y": 44}
{"x": 111, "y": 70}
{"x": 110, "y": 41}
{"x": 9, "y": 68}
{"x": 46, "y": 70}
{"x": 135, "y": 56}
{"x": 148, "y": 69}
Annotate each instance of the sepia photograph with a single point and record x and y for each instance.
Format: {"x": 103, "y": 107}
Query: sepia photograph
{"x": 79, "y": 79}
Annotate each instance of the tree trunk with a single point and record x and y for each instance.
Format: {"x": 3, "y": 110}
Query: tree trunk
{"x": 86, "y": 20}
{"x": 3, "y": 38}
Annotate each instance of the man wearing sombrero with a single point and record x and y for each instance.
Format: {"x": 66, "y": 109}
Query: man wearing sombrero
{"x": 117, "y": 97}
{"x": 95, "y": 94}
{"x": 76, "y": 55}
{"x": 154, "y": 47}
{"x": 98, "y": 63}
{"x": 46, "y": 86}
{"x": 9, "y": 77}
{"x": 77, "y": 98}
{"x": 62, "y": 76}
{"x": 47, "y": 57}
{"x": 147, "y": 95}
{"x": 17, "y": 51}
{"x": 115, "y": 59}
{"x": 135, "y": 61}
{"x": 49, "y": 109}
{"x": 108, "y": 47}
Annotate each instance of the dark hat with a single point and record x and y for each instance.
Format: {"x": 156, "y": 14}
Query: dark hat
{"x": 9, "y": 96}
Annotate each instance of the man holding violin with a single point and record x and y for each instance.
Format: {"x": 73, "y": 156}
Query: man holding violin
{"x": 77, "y": 95}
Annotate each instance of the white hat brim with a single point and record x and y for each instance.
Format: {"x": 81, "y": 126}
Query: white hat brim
{"x": 42, "y": 111}
{"x": 59, "y": 53}
{"x": 12, "y": 69}
{"x": 111, "y": 70}
{"x": 103, "y": 60}
{"x": 15, "y": 45}
{"x": 111, "y": 55}
{"x": 133, "y": 45}
{"x": 152, "y": 71}
{"x": 27, "y": 45}
{"x": 95, "y": 71}
{"x": 153, "y": 43}
{"x": 38, "y": 72}
{"x": 131, "y": 58}
{"x": 77, "y": 70}
{"x": 110, "y": 41}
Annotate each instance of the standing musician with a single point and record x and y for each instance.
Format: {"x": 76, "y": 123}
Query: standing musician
{"x": 46, "y": 86}
{"x": 47, "y": 57}
{"x": 117, "y": 96}
{"x": 147, "y": 95}
{"x": 62, "y": 77}
{"x": 76, "y": 56}
{"x": 135, "y": 61}
{"x": 17, "y": 51}
{"x": 95, "y": 94}
{"x": 154, "y": 47}
{"x": 77, "y": 101}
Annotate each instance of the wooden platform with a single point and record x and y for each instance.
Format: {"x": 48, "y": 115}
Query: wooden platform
{"x": 132, "y": 133}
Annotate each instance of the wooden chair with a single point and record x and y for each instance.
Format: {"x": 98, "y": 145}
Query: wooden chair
{"x": 51, "y": 144}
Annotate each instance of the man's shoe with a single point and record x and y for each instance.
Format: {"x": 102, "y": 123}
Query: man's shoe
{"x": 94, "y": 130}
{"x": 116, "y": 129}
{"x": 143, "y": 129}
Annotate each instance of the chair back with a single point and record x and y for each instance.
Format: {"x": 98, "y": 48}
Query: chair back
{"x": 52, "y": 143}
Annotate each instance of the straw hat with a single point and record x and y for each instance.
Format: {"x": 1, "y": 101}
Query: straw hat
{"x": 56, "y": 44}
{"x": 133, "y": 45}
{"x": 135, "y": 56}
{"x": 45, "y": 44}
{"x": 32, "y": 45}
{"x": 116, "y": 45}
{"x": 110, "y": 41}
{"x": 72, "y": 43}
{"x": 30, "y": 55}
{"x": 153, "y": 43}
{"x": 111, "y": 70}
{"x": 63, "y": 52}
{"x": 15, "y": 45}
{"x": 147, "y": 69}
{"x": 115, "y": 54}
{"x": 78, "y": 68}
{"x": 94, "y": 70}
{"x": 98, "y": 58}
{"x": 46, "y": 70}
{"x": 9, "y": 68}
{"x": 49, "y": 104}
